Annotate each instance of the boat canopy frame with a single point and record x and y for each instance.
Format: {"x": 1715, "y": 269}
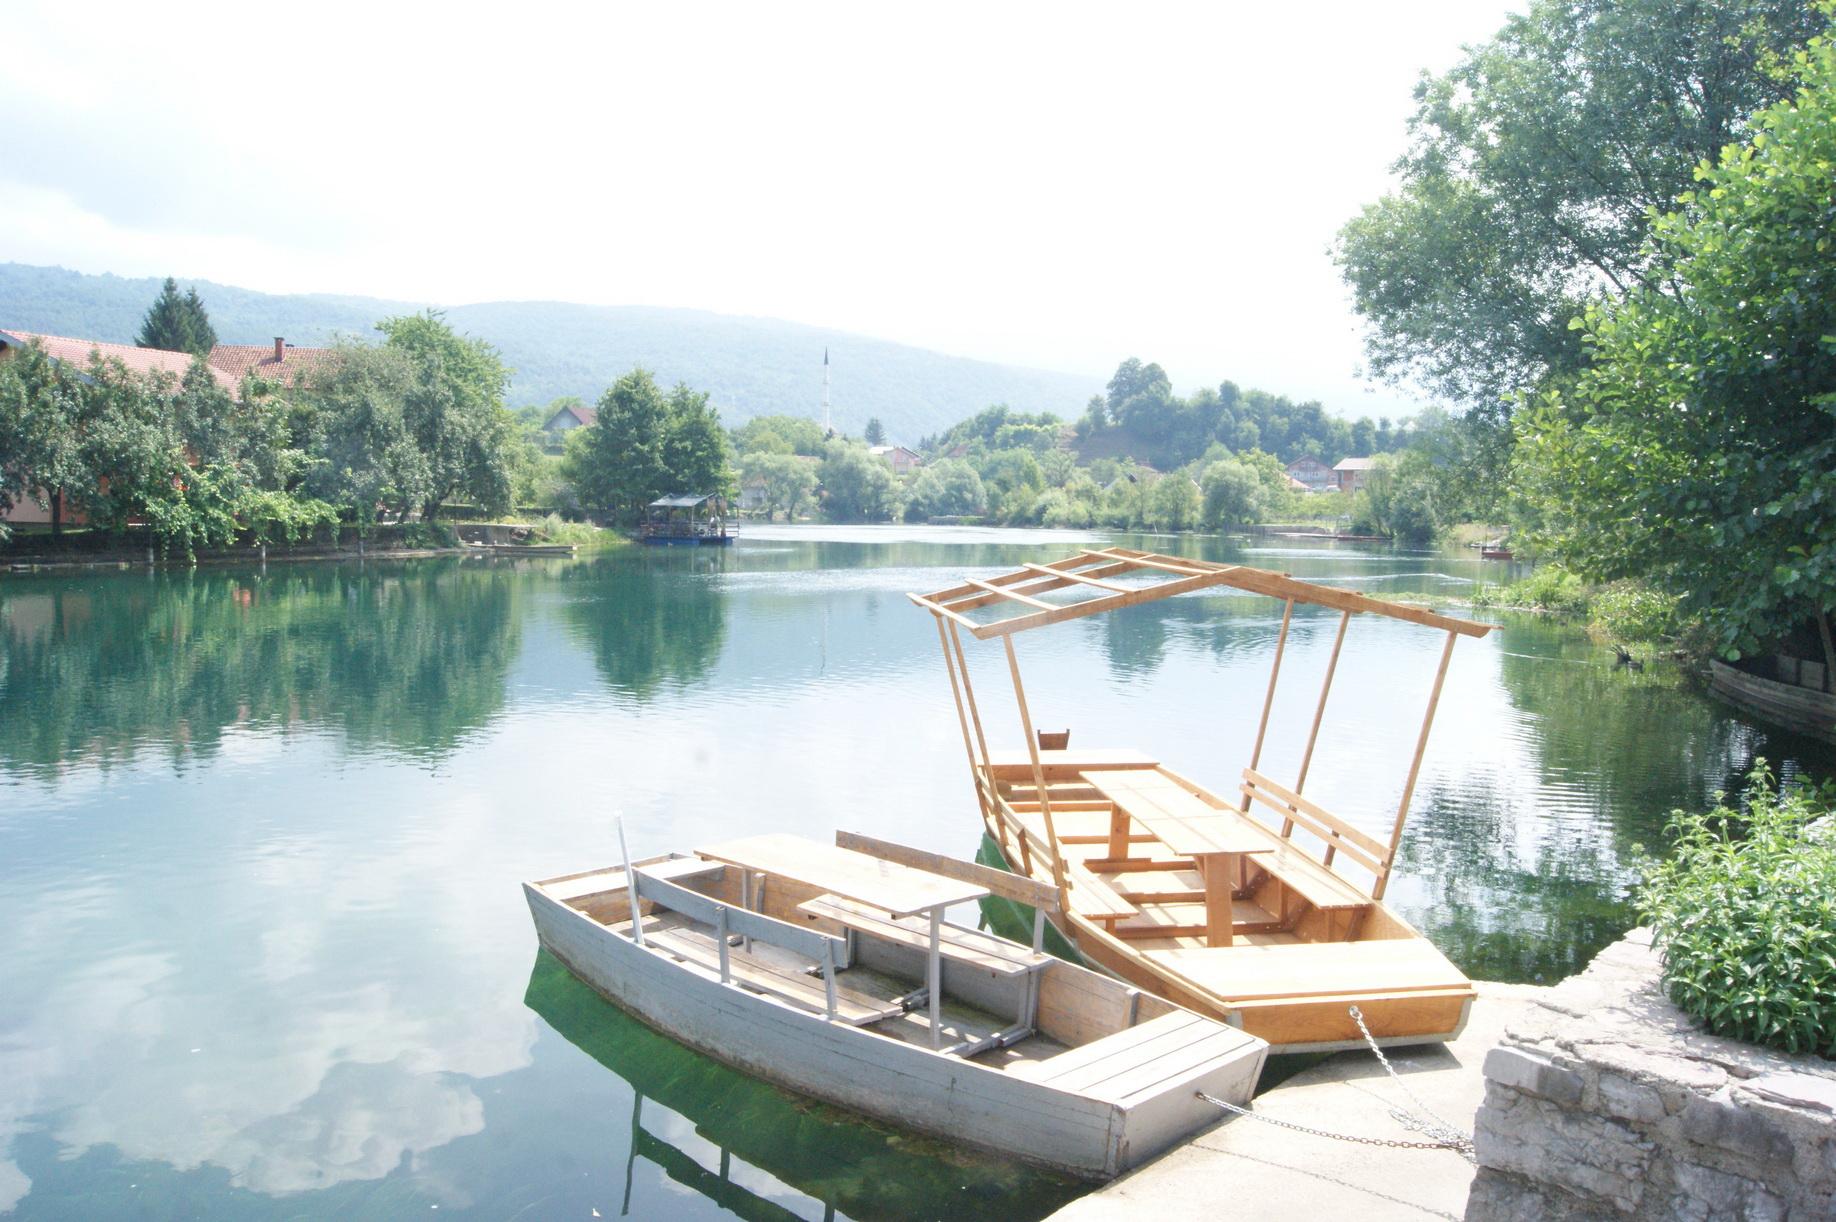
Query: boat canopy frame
{"x": 1096, "y": 581}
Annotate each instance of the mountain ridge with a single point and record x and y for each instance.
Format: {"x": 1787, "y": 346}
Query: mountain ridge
{"x": 750, "y": 365}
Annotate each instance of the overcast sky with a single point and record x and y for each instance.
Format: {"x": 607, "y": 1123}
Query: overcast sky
{"x": 1055, "y": 185}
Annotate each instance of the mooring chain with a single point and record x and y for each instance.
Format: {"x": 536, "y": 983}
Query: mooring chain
{"x": 1445, "y": 1136}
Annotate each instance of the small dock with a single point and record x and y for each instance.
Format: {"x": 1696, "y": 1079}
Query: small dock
{"x": 1264, "y": 1171}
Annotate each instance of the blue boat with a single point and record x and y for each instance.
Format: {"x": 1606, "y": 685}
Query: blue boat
{"x": 688, "y": 520}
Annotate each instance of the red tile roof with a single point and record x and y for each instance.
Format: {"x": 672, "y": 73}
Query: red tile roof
{"x": 240, "y": 360}
{"x": 581, "y": 412}
{"x": 138, "y": 360}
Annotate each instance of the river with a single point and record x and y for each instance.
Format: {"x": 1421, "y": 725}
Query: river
{"x": 261, "y": 835}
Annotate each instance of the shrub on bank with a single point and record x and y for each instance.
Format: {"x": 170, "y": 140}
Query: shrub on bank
{"x": 1547, "y": 588}
{"x": 1745, "y": 916}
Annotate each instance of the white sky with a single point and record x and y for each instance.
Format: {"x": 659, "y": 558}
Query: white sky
{"x": 1059, "y": 185}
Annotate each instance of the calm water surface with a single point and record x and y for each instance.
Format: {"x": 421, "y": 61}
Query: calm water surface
{"x": 261, "y": 835}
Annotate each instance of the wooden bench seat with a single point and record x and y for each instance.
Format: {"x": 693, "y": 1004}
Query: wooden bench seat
{"x": 781, "y": 980}
{"x": 1141, "y": 1058}
{"x": 1319, "y": 885}
{"x": 1091, "y": 897}
{"x": 984, "y": 950}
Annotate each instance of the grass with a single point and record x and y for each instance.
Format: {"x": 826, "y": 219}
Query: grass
{"x": 1744, "y": 914}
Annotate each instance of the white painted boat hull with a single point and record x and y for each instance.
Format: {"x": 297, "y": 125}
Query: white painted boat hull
{"x": 881, "y": 1077}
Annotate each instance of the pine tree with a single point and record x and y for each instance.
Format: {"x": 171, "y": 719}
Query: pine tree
{"x": 876, "y": 432}
{"x": 177, "y": 324}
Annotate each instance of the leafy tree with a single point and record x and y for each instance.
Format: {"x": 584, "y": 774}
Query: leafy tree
{"x": 780, "y": 435}
{"x": 788, "y": 481}
{"x": 947, "y": 488}
{"x": 856, "y": 486}
{"x": 1172, "y": 503}
{"x": 42, "y": 405}
{"x": 365, "y": 456}
{"x": 1533, "y": 167}
{"x": 1232, "y": 494}
{"x": 177, "y": 324}
{"x": 696, "y": 457}
{"x": 453, "y": 410}
{"x": 1698, "y": 450}
{"x": 616, "y": 463}
{"x": 875, "y": 432}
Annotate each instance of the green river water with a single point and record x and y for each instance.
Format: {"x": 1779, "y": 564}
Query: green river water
{"x": 261, "y": 835}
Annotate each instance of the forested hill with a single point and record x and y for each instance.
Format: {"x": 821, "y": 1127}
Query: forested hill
{"x": 751, "y": 366}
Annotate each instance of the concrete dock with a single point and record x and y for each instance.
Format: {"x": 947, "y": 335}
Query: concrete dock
{"x": 1245, "y": 1169}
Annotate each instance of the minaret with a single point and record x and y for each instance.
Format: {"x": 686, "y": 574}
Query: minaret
{"x": 827, "y": 428}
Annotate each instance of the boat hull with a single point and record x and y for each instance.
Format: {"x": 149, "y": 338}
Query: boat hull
{"x": 1796, "y": 708}
{"x": 1289, "y": 1025}
{"x": 883, "y": 1078}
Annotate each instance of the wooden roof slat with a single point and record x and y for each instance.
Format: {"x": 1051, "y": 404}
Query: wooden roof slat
{"x": 1167, "y": 576}
{"x": 1015, "y": 595}
{"x": 1080, "y": 578}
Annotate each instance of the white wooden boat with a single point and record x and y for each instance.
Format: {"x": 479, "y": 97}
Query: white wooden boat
{"x": 1259, "y": 906}
{"x": 830, "y": 970}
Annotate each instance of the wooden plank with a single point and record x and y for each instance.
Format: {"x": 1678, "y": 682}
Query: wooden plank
{"x": 808, "y": 992}
{"x": 1217, "y": 868}
{"x": 707, "y": 910}
{"x": 1096, "y": 606}
{"x": 901, "y": 890}
{"x": 1114, "y": 1053}
{"x": 598, "y": 882}
{"x": 1285, "y": 797}
{"x": 1091, "y": 897}
{"x": 1314, "y": 969}
{"x": 1015, "y": 595}
{"x": 1415, "y": 768}
{"x": 1312, "y": 881}
{"x": 1065, "y": 575}
{"x": 985, "y": 951}
{"x": 998, "y": 882}
{"x": 1178, "y": 819}
{"x": 1010, "y": 765}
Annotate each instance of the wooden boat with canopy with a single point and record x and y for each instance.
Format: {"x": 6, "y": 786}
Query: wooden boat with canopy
{"x": 829, "y": 969}
{"x": 1256, "y": 905}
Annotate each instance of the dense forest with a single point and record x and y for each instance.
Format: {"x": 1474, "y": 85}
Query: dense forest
{"x": 749, "y": 366}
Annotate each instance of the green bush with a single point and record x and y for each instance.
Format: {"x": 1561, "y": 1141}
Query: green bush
{"x": 1745, "y": 916}
{"x": 1629, "y": 611}
{"x": 1548, "y": 587}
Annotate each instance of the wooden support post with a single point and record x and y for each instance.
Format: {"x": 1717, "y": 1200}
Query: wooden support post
{"x": 720, "y": 932}
{"x": 962, "y": 721}
{"x": 1045, "y": 801}
{"x": 631, "y": 886}
{"x": 984, "y": 779}
{"x": 828, "y": 975}
{"x": 1268, "y": 701}
{"x": 1218, "y": 913}
{"x": 934, "y": 977}
{"x": 1313, "y": 735}
{"x": 1415, "y": 768}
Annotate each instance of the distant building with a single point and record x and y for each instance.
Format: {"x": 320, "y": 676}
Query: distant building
{"x": 79, "y": 352}
{"x": 902, "y": 459}
{"x": 1310, "y": 473}
{"x": 565, "y": 420}
{"x": 1351, "y": 474}
{"x": 284, "y": 363}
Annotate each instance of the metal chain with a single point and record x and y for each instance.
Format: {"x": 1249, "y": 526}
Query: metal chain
{"x": 1445, "y": 1136}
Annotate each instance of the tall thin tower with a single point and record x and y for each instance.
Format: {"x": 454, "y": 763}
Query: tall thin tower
{"x": 827, "y": 428}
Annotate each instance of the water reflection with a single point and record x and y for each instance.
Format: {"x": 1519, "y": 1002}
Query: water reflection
{"x": 97, "y": 668}
{"x": 260, "y": 836}
{"x": 760, "y": 1153}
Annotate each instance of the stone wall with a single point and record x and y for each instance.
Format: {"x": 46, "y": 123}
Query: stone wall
{"x": 1606, "y": 1101}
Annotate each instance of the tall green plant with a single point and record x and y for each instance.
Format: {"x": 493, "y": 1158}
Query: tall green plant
{"x": 1744, "y": 914}
{"x": 177, "y": 323}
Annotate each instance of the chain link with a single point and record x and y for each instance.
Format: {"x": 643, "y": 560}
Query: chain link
{"x": 1444, "y": 1136}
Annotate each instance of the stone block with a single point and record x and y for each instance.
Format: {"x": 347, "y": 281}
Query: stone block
{"x": 1725, "y": 1125}
{"x": 1535, "y": 1074}
{"x": 1630, "y": 1100}
{"x": 1797, "y": 1090}
{"x": 1707, "y": 1194}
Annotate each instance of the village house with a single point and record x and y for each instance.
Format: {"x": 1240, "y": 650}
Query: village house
{"x": 1310, "y": 473}
{"x": 228, "y": 364}
{"x": 901, "y": 459}
{"x": 564, "y": 421}
{"x": 1351, "y": 474}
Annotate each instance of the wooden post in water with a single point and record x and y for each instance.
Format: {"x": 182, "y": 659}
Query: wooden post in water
{"x": 1415, "y": 768}
{"x": 1032, "y": 749}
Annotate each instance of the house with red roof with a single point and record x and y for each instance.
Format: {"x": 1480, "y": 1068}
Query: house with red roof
{"x": 566, "y": 419}
{"x": 284, "y": 363}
